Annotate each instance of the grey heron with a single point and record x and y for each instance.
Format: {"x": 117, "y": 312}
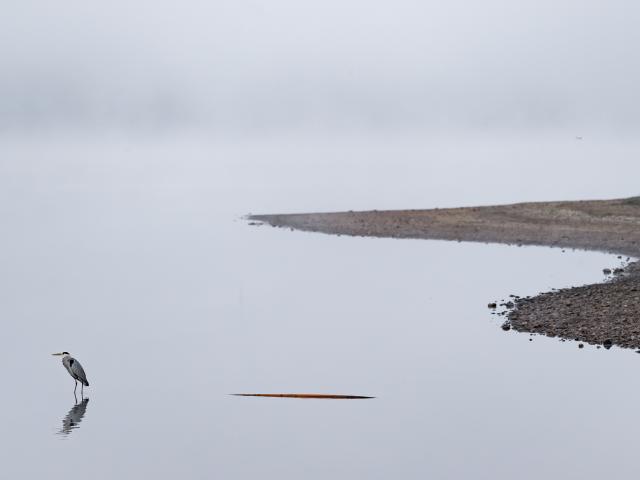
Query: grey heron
{"x": 75, "y": 370}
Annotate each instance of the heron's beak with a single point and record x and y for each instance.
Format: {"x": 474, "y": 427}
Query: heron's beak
{"x": 57, "y": 354}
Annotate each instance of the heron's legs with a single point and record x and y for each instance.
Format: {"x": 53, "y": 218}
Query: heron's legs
{"x": 76, "y": 387}
{"x": 82, "y": 390}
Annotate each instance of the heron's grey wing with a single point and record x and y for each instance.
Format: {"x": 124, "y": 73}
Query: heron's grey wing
{"x": 78, "y": 371}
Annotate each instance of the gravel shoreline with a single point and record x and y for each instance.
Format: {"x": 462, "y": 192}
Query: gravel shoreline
{"x": 603, "y": 314}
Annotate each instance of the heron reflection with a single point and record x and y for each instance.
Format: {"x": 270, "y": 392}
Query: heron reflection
{"x": 72, "y": 420}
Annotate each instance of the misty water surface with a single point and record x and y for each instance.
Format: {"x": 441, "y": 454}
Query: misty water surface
{"x": 134, "y": 135}
{"x": 132, "y": 255}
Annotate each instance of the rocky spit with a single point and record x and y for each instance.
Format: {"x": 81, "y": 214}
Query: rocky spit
{"x": 604, "y": 314}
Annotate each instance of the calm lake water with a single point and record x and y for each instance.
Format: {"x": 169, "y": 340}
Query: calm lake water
{"x": 132, "y": 255}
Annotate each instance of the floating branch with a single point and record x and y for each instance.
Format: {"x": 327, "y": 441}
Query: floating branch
{"x": 302, "y": 395}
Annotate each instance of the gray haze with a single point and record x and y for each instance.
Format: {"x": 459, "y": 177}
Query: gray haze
{"x": 128, "y": 250}
{"x": 340, "y": 64}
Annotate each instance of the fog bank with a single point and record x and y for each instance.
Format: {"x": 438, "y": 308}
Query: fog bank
{"x": 338, "y": 64}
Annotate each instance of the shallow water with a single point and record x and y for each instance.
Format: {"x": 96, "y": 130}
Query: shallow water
{"x": 131, "y": 254}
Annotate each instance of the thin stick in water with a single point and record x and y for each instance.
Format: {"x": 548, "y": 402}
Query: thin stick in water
{"x": 302, "y": 395}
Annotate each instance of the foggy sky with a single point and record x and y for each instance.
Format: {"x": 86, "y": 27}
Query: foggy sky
{"x": 336, "y": 63}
